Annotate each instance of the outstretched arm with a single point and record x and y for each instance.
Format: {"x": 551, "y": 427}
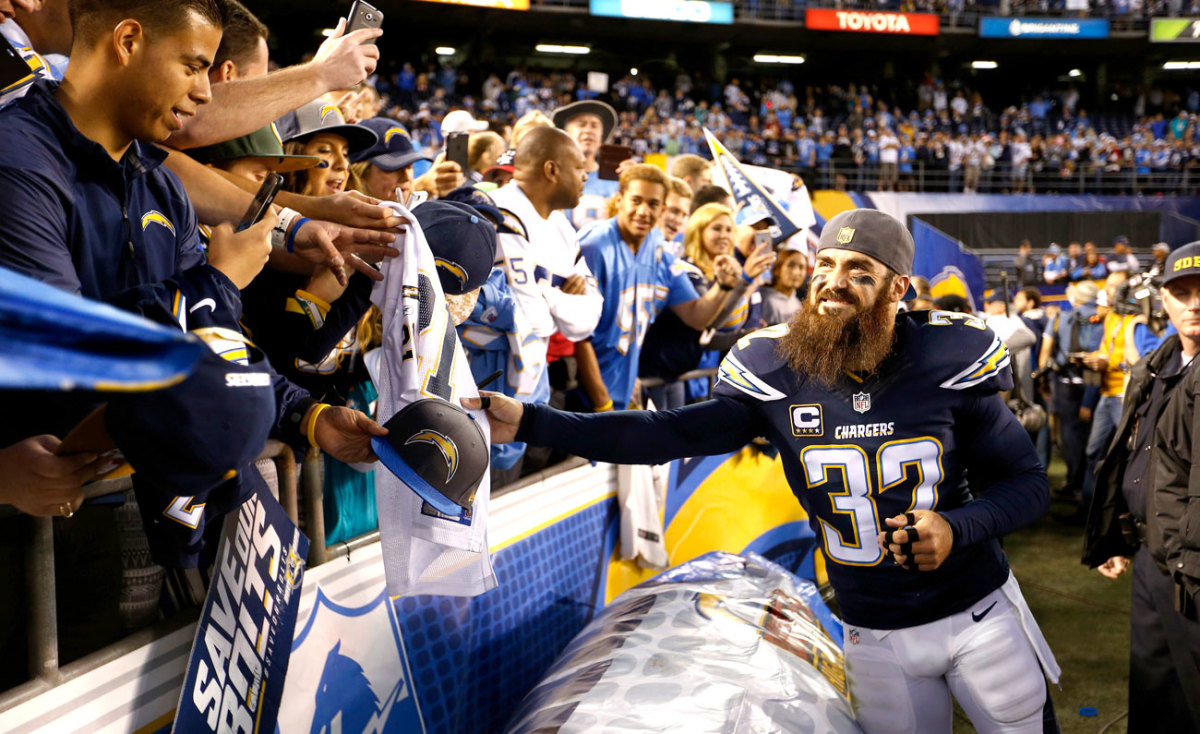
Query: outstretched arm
{"x": 713, "y": 427}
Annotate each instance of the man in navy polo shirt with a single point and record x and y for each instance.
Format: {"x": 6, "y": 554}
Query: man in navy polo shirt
{"x": 91, "y": 210}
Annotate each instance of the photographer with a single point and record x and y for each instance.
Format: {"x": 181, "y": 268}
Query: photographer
{"x": 1072, "y": 335}
{"x": 1137, "y": 510}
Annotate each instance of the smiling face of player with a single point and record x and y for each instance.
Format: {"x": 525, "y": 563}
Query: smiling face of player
{"x": 846, "y": 283}
{"x": 849, "y": 319}
{"x": 331, "y": 178}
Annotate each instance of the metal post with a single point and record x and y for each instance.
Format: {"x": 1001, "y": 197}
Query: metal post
{"x": 312, "y": 480}
{"x": 43, "y": 615}
{"x": 285, "y": 467}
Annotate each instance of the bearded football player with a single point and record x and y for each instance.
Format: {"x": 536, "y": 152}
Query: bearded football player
{"x": 890, "y": 427}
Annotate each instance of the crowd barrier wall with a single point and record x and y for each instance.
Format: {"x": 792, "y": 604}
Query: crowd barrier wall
{"x": 444, "y": 664}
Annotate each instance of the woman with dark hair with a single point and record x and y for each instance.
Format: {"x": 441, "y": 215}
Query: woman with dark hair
{"x": 782, "y": 298}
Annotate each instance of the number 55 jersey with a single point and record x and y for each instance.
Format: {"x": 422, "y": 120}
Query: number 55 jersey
{"x": 926, "y": 431}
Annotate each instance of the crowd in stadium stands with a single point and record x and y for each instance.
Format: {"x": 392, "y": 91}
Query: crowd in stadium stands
{"x": 943, "y": 137}
{"x": 567, "y": 265}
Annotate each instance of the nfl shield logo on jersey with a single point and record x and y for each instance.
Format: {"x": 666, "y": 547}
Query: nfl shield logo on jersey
{"x": 852, "y": 635}
{"x": 862, "y": 402}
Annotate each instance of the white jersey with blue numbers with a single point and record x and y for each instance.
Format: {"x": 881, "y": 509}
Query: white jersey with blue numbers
{"x": 636, "y": 288}
{"x": 424, "y": 551}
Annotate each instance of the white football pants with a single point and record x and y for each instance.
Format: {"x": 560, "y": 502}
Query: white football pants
{"x": 990, "y": 657}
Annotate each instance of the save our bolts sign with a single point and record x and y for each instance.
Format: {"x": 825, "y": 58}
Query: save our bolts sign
{"x": 862, "y": 21}
{"x": 240, "y": 653}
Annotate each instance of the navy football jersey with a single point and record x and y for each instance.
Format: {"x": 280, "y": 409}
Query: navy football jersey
{"x": 906, "y": 437}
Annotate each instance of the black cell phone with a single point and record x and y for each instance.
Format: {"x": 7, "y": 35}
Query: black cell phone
{"x": 456, "y": 149}
{"x": 364, "y": 15}
{"x": 609, "y": 158}
{"x": 262, "y": 201}
{"x": 13, "y": 68}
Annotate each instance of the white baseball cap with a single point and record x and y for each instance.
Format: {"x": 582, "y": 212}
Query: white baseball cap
{"x": 461, "y": 121}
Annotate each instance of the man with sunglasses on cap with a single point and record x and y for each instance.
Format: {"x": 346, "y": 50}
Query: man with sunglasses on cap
{"x": 1140, "y": 510}
{"x": 889, "y": 426}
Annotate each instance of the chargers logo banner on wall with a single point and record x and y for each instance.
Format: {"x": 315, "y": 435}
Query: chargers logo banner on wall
{"x": 240, "y": 653}
{"x": 357, "y": 678}
{"x": 747, "y": 192}
{"x": 949, "y": 268}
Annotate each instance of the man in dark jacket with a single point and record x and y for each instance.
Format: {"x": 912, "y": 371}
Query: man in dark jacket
{"x": 1164, "y": 656}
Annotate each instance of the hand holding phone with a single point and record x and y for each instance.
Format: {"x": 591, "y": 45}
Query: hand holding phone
{"x": 363, "y": 15}
{"x": 456, "y": 149}
{"x": 262, "y": 201}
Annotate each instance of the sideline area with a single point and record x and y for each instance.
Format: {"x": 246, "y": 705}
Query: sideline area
{"x": 1084, "y": 616}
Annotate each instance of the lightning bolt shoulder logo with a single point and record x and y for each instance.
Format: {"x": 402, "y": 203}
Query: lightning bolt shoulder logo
{"x": 993, "y": 360}
{"x": 156, "y": 217}
{"x": 444, "y": 444}
{"x": 735, "y": 373}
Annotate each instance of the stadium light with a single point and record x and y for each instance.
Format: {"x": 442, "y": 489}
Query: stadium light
{"x": 444, "y": 50}
{"x": 984, "y": 65}
{"x": 778, "y": 59}
{"x": 1075, "y": 73}
{"x": 633, "y": 71}
{"x": 554, "y": 48}
{"x": 1181, "y": 65}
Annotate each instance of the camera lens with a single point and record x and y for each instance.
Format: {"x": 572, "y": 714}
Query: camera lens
{"x": 370, "y": 16}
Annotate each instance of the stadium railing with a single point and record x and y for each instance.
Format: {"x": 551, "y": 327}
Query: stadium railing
{"x": 926, "y": 179}
{"x": 41, "y": 589}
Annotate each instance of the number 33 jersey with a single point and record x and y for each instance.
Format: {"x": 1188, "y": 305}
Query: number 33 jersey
{"x": 926, "y": 431}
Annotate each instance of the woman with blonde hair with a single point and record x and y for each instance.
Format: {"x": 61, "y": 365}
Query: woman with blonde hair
{"x": 672, "y": 347}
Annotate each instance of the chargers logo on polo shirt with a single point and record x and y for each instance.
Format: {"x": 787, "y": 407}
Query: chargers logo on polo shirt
{"x": 156, "y": 217}
{"x": 444, "y": 444}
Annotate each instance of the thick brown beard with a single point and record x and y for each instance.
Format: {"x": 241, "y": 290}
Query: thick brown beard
{"x": 821, "y": 347}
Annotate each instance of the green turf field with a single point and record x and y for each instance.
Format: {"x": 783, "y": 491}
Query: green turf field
{"x": 1084, "y": 616}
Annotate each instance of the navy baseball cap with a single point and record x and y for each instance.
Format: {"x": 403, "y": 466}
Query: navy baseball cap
{"x": 480, "y": 201}
{"x": 438, "y": 450}
{"x": 463, "y": 243}
{"x": 319, "y": 117}
{"x": 1182, "y": 262}
{"x": 875, "y": 234}
{"x": 394, "y": 149}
